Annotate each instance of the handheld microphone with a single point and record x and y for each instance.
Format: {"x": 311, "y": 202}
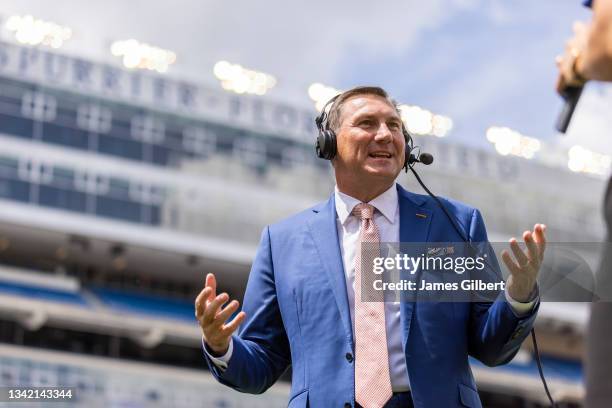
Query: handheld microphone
{"x": 571, "y": 96}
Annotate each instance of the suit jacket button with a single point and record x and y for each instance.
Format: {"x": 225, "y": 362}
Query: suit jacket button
{"x": 349, "y": 357}
{"x": 347, "y": 405}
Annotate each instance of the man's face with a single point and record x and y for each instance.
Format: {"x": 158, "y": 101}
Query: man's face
{"x": 370, "y": 140}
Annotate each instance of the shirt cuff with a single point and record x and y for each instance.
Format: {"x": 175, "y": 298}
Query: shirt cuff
{"x": 522, "y": 309}
{"x": 221, "y": 361}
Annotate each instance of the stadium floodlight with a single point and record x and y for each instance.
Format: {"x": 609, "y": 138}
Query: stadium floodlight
{"x": 137, "y": 55}
{"x": 508, "y": 141}
{"x": 582, "y": 160}
{"x": 419, "y": 121}
{"x": 238, "y": 79}
{"x": 321, "y": 94}
{"x": 32, "y": 31}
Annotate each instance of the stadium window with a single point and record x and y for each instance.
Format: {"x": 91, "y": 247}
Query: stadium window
{"x": 91, "y": 183}
{"x": 146, "y": 194}
{"x": 38, "y": 106}
{"x": 113, "y": 145}
{"x": 174, "y": 138}
{"x": 35, "y": 171}
{"x": 118, "y": 209}
{"x": 63, "y": 177}
{"x": 65, "y": 135}
{"x": 171, "y": 151}
{"x": 136, "y": 191}
{"x": 251, "y": 152}
{"x": 16, "y": 126}
{"x": 294, "y": 155}
{"x": 11, "y": 98}
{"x": 82, "y": 181}
{"x": 15, "y": 189}
{"x": 119, "y": 188}
{"x": 119, "y": 141}
{"x": 102, "y": 184}
{"x": 155, "y": 215}
{"x": 151, "y": 214}
{"x": 160, "y": 155}
{"x": 94, "y": 118}
{"x": 8, "y": 166}
{"x": 50, "y": 196}
{"x": 199, "y": 141}
{"x": 147, "y": 129}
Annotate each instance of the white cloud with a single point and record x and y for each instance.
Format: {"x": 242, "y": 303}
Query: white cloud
{"x": 298, "y": 42}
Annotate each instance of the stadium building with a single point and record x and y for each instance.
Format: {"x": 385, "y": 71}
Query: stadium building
{"x": 120, "y": 189}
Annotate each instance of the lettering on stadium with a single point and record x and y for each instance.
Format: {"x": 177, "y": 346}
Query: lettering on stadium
{"x": 73, "y": 73}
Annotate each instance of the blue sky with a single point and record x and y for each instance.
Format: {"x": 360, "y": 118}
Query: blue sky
{"x": 487, "y": 63}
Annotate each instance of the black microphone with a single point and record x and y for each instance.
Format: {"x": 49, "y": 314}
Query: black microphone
{"x": 571, "y": 96}
{"x": 424, "y": 158}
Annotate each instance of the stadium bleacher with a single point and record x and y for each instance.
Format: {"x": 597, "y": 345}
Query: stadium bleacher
{"x": 123, "y": 301}
{"x": 42, "y": 293}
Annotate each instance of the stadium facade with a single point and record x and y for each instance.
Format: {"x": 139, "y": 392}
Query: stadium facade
{"x": 120, "y": 189}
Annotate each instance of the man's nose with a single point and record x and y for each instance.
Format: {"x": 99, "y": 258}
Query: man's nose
{"x": 384, "y": 134}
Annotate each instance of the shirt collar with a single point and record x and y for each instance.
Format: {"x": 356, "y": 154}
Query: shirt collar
{"x": 386, "y": 204}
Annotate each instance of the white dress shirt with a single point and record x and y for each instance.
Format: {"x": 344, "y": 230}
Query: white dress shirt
{"x": 387, "y": 219}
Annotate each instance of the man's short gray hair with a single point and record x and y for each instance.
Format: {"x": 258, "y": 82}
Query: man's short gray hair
{"x": 335, "y": 111}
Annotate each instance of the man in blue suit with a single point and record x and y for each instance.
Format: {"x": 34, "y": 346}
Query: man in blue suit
{"x": 300, "y": 306}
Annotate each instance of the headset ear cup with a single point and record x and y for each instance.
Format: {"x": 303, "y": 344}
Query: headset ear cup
{"x": 407, "y": 148}
{"x": 332, "y": 147}
{"x": 326, "y": 145}
{"x": 320, "y": 146}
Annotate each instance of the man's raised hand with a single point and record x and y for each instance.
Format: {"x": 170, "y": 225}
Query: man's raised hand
{"x": 524, "y": 267}
{"x": 212, "y": 318}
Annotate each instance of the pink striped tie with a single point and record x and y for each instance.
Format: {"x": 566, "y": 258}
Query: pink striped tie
{"x": 372, "y": 380}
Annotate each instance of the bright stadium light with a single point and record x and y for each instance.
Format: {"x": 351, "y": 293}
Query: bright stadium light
{"x": 139, "y": 55}
{"x": 321, "y": 94}
{"x": 419, "y": 121}
{"x": 238, "y": 79}
{"x": 32, "y": 31}
{"x": 508, "y": 141}
{"x": 441, "y": 125}
{"x": 582, "y": 160}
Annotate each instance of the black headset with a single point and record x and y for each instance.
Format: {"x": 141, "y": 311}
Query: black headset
{"x": 326, "y": 145}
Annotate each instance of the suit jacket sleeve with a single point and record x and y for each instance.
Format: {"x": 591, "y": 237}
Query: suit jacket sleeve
{"x": 495, "y": 332}
{"x": 261, "y": 350}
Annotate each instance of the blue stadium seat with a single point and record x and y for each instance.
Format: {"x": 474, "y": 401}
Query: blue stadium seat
{"x": 42, "y": 293}
{"x": 133, "y": 302}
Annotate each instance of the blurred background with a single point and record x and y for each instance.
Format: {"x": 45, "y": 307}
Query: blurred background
{"x": 146, "y": 143}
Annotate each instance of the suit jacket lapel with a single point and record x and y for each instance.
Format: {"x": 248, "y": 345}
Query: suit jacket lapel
{"x": 325, "y": 234}
{"x": 414, "y": 218}
{"x": 415, "y": 221}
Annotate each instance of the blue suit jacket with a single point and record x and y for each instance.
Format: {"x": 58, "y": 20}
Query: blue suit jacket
{"x": 298, "y": 314}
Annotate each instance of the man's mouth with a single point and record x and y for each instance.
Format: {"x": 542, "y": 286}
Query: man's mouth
{"x": 380, "y": 155}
